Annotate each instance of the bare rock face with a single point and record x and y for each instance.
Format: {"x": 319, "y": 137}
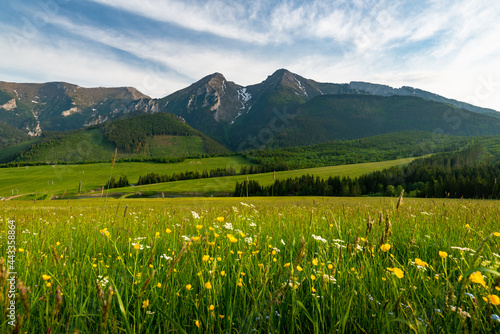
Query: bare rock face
{"x": 10, "y": 105}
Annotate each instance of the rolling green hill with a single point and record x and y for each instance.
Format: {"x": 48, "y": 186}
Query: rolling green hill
{"x": 56, "y": 179}
{"x": 146, "y": 136}
{"x": 225, "y": 185}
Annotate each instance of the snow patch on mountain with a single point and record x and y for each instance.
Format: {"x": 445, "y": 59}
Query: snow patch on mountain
{"x": 244, "y": 97}
{"x": 300, "y": 85}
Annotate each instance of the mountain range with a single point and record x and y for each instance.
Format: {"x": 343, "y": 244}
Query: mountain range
{"x": 283, "y": 110}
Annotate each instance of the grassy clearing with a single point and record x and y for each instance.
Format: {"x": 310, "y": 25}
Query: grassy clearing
{"x": 227, "y": 184}
{"x": 290, "y": 265}
{"x": 56, "y": 179}
{"x": 176, "y": 146}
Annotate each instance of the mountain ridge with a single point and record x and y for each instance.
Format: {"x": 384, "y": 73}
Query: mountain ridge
{"x": 224, "y": 110}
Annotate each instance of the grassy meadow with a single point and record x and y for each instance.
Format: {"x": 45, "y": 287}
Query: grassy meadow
{"x": 280, "y": 265}
{"x": 56, "y": 179}
{"x": 47, "y": 181}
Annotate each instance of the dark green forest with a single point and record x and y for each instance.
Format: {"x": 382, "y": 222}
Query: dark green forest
{"x": 454, "y": 175}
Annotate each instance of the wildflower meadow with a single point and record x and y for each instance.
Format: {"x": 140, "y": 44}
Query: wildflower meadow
{"x": 286, "y": 265}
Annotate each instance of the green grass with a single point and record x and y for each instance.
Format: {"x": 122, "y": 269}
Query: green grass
{"x": 311, "y": 265}
{"x": 39, "y": 179}
{"x": 10, "y": 153}
{"x": 176, "y": 146}
{"x": 227, "y": 184}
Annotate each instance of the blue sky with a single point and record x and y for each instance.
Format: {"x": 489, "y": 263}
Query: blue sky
{"x": 160, "y": 46}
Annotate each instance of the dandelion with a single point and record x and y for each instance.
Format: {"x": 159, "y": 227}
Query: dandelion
{"x": 199, "y": 227}
{"x": 313, "y": 277}
{"x": 315, "y": 262}
{"x": 168, "y": 231}
{"x": 385, "y": 247}
{"x": 330, "y": 266}
{"x": 208, "y": 285}
{"x": 443, "y": 254}
{"x": 188, "y": 287}
{"x": 220, "y": 219}
{"x": 145, "y": 303}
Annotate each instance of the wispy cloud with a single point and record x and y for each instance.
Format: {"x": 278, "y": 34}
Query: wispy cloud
{"x": 159, "y": 46}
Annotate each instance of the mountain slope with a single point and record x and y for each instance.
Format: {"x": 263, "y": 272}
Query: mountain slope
{"x": 331, "y": 117}
{"x": 160, "y": 136}
{"x": 59, "y": 106}
{"x": 383, "y": 90}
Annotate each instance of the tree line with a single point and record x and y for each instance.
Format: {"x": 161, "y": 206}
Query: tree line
{"x": 454, "y": 175}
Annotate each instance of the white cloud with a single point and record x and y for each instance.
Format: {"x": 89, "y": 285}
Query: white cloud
{"x": 447, "y": 47}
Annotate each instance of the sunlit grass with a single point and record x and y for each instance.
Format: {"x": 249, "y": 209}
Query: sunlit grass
{"x": 282, "y": 266}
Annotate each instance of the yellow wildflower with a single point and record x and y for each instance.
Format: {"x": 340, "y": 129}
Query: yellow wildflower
{"x": 212, "y": 307}
{"x": 168, "y": 230}
{"x": 496, "y": 234}
{"x": 494, "y": 299}
{"x": 299, "y": 268}
{"x": 208, "y": 285}
{"x": 199, "y": 227}
{"x": 286, "y": 265}
{"x": 313, "y": 277}
{"x": 158, "y": 285}
{"x": 478, "y": 278}
{"x": 315, "y": 262}
{"x": 330, "y": 266}
{"x": 20, "y": 250}
{"x": 145, "y": 303}
{"x": 385, "y": 247}
{"x": 188, "y": 287}
{"x": 205, "y": 258}
{"x": 48, "y": 284}
{"x": 137, "y": 246}
{"x": 232, "y": 238}
{"x": 197, "y": 323}
{"x": 220, "y": 219}
{"x": 223, "y": 273}
{"x": 443, "y": 254}
{"x": 421, "y": 263}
